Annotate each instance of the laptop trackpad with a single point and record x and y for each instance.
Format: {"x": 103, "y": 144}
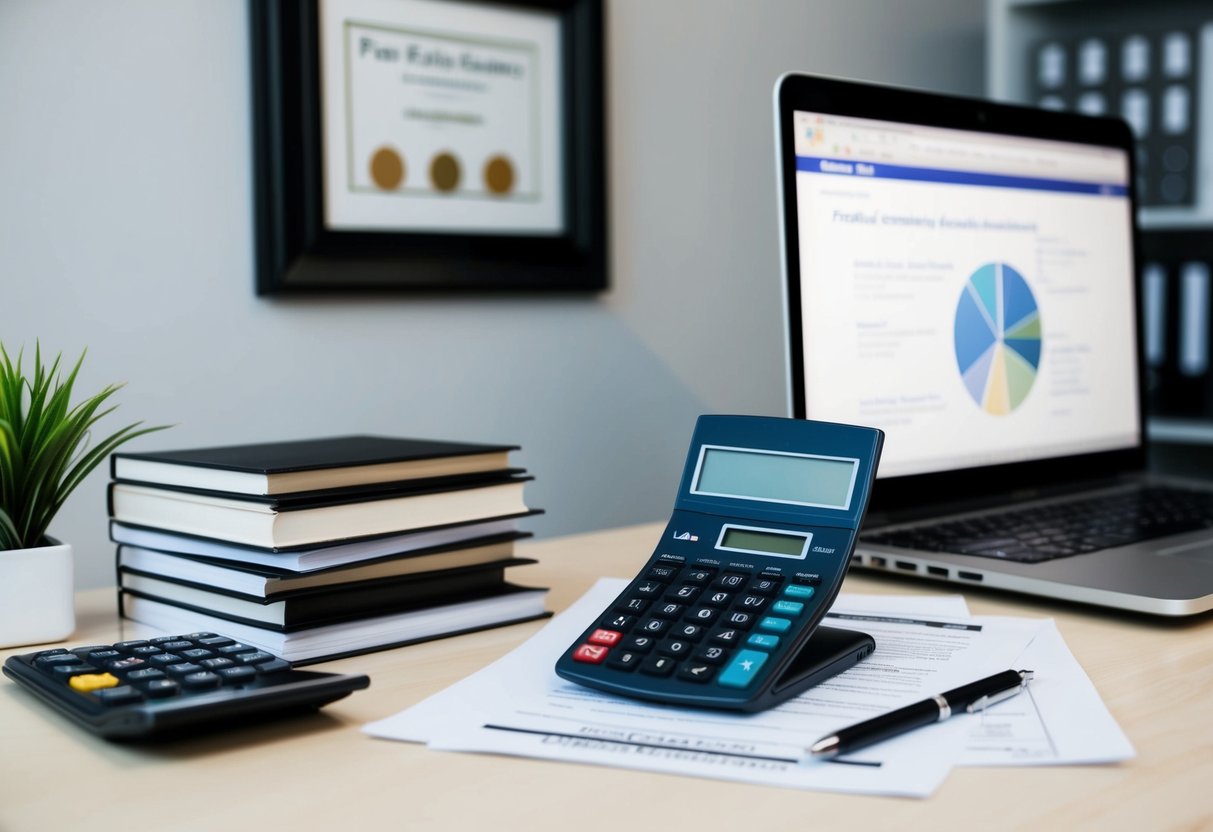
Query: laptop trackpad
{"x": 1195, "y": 550}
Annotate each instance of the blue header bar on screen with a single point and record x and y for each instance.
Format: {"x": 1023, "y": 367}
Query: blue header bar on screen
{"x": 875, "y": 170}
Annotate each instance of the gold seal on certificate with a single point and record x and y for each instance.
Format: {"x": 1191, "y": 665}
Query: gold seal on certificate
{"x": 441, "y": 117}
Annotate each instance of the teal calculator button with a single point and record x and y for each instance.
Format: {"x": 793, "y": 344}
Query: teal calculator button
{"x": 742, "y": 670}
{"x": 775, "y": 625}
{"x": 800, "y": 591}
{"x": 787, "y": 608}
{"x": 763, "y": 641}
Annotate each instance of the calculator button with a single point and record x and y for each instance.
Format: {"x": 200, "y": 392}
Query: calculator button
{"x": 58, "y": 651}
{"x": 732, "y": 580}
{"x": 675, "y": 647}
{"x": 130, "y": 645}
{"x": 624, "y": 659}
{"x": 67, "y": 671}
{"x": 197, "y": 653}
{"x": 608, "y": 638}
{"x": 132, "y": 663}
{"x": 798, "y": 591}
{"x": 234, "y": 648}
{"x": 216, "y": 664}
{"x": 163, "y": 659}
{"x": 696, "y": 672}
{"x": 146, "y": 650}
{"x": 196, "y": 636}
{"x": 232, "y": 675}
{"x": 698, "y": 576}
{"x": 649, "y": 589}
{"x": 144, "y": 675}
{"x": 158, "y": 640}
{"x": 775, "y": 625}
{"x": 215, "y": 641}
{"x": 590, "y": 653}
{"x": 743, "y": 669}
{"x": 686, "y": 593}
{"x": 202, "y": 680}
{"x": 183, "y": 669}
{"x": 622, "y": 623}
{"x": 762, "y": 641}
{"x": 668, "y": 610}
{"x": 711, "y": 654}
{"x": 633, "y": 606}
{"x": 654, "y": 626}
{"x": 790, "y": 608}
{"x": 729, "y": 636}
{"x": 658, "y": 665}
{"x": 177, "y": 644}
{"x": 811, "y": 580}
{"x": 160, "y": 688}
{"x": 640, "y": 644}
{"x": 752, "y": 602}
{"x": 88, "y": 682}
{"x": 58, "y": 658}
{"x": 703, "y": 616}
{"x": 742, "y": 620}
{"x": 100, "y": 657}
{"x": 661, "y": 573}
{"x": 765, "y": 584}
{"x": 123, "y": 695}
{"x": 273, "y": 666}
{"x": 693, "y": 632}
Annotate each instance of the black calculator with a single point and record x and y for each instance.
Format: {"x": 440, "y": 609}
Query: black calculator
{"x": 725, "y": 613}
{"x": 172, "y": 685}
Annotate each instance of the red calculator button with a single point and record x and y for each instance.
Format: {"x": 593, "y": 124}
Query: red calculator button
{"x": 591, "y": 653}
{"x": 608, "y": 637}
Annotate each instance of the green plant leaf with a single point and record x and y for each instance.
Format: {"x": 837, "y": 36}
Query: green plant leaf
{"x": 44, "y": 442}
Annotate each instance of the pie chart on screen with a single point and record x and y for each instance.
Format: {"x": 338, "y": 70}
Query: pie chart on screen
{"x": 997, "y": 338}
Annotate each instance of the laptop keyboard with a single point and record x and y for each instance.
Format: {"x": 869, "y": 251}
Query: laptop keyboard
{"x": 1059, "y": 530}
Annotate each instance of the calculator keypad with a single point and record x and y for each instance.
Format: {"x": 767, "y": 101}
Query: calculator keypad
{"x": 133, "y": 671}
{"x": 697, "y": 624}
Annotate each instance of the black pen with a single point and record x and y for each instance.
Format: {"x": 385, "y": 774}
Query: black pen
{"x": 975, "y": 696}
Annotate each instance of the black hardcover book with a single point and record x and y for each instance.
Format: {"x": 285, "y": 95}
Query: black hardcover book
{"x": 269, "y": 580}
{"x": 315, "y": 607}
{"x": 315, "y": 517}
{"x": 309, "y": 465}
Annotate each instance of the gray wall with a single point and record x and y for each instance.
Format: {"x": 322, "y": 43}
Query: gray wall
{"x": 125, "y": 226}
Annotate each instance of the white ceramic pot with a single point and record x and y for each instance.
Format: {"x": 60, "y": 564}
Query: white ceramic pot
{"x": 36, "y": 595}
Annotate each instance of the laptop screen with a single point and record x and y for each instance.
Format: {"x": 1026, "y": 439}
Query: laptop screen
{"x": 970, "y": 293}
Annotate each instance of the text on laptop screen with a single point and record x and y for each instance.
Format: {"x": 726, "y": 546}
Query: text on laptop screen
{"x": 970, "y": 294}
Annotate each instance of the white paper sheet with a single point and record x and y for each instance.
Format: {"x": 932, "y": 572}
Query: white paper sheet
{"x": 924, "y": 645}
{"x": 1060, "y": 718}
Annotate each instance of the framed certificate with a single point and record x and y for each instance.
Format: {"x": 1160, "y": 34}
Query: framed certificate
{"x": 429, "y": 145}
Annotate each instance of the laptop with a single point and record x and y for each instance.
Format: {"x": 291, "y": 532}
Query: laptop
{"x": 962, "y": 275}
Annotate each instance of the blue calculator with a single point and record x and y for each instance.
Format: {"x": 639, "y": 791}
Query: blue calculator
{"x": 725, "y": 613}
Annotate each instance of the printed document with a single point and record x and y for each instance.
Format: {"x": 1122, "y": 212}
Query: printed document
{"x": 924, "y": 645}
{"x": 1060, "y": 718}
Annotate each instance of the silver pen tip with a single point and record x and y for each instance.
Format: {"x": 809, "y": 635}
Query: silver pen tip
{"x": 825, "y": 747}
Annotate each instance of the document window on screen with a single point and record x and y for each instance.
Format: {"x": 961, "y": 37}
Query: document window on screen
{"x": 971, "y": 295}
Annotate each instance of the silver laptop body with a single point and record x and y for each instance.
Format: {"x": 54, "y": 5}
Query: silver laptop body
{"x": 963, "y": 275}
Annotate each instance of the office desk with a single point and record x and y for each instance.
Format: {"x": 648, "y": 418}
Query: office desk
{"x": 320, "y": 772}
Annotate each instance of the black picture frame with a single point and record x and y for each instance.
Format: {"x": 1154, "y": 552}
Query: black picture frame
{"x": 296, "y": 252}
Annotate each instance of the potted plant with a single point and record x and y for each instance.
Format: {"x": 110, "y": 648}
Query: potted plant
{"x": 44, "y": 455}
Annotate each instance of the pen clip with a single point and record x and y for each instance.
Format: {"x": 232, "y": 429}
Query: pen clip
{"x": 994, "y": 698}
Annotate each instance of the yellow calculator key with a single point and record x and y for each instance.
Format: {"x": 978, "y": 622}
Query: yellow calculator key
{"x": 93, "y": 681}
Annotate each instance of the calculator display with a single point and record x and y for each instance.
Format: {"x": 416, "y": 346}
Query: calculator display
{"x": 775, "y": 477}
{"x": 764, "y": 542}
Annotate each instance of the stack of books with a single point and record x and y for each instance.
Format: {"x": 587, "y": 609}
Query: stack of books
{"x": 323, "y": 548}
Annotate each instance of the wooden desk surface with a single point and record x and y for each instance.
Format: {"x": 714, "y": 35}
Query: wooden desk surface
{"x": 321, "y": 772}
